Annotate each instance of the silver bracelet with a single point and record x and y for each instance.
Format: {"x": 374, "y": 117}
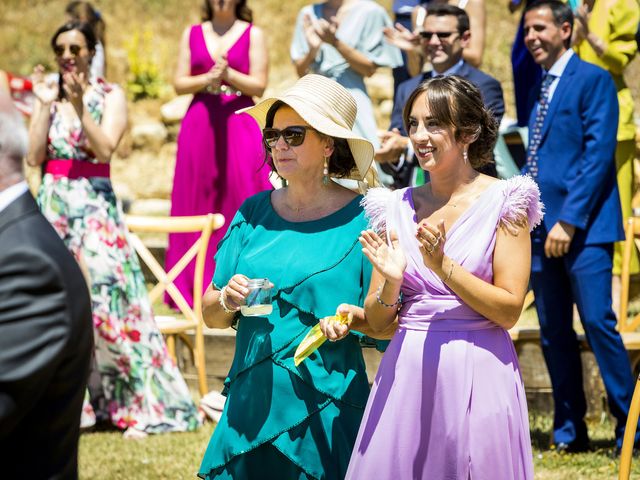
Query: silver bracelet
{"x": 222, "y": 303}
{"x": 397, "y": 303}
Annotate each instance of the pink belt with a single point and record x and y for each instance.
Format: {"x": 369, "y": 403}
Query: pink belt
{"x": 73, "y": 169}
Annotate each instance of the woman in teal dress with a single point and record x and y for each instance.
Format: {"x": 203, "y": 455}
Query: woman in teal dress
{"x": 282, "y": 421}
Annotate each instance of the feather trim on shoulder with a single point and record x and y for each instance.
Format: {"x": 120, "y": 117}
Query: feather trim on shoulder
{"x": 522, "y": 203}
{"x": 375, "y": 204}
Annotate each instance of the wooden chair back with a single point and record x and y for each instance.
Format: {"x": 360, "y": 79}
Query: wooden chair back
{"x": 191, "y": 321}
{"x": 626, "y": 324}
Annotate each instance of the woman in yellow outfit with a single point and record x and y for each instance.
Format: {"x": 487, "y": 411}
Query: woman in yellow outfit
{"x": 604, "y": 35}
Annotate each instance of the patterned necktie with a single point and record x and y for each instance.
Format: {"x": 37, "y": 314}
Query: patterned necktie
{"x": 536, "y": 133}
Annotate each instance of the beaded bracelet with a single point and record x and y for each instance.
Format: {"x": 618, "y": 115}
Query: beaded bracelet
{"x": 226, "y": 309}
{"x": 397, "y": 303}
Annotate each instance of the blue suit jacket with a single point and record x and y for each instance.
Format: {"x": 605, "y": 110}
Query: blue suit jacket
{"x": 576, "y": 156}
{"x": 489, "y": 87}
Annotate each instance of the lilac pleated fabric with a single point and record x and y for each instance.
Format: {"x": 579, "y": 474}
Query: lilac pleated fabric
{"x": 448, "y": 400}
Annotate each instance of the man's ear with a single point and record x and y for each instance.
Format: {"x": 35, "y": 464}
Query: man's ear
{"x": 465, "y": 38}
{"x": 565, "y": 31}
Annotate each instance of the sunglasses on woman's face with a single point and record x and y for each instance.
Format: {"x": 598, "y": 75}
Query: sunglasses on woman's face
{"x": 73, "y": 49}
{"x": 293, "y": 136}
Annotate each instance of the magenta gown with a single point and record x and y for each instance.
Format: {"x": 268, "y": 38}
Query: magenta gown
{"x": 220, "y": 159}
{"x": 448, "y": 400}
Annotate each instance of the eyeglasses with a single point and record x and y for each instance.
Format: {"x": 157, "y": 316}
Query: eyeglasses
{"x": 426, "y": 35}
{"x": 293, "y": 135}
{"x": 73, "y": 49}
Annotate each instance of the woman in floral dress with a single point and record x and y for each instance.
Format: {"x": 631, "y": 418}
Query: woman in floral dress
{"x": 75, "y": 128}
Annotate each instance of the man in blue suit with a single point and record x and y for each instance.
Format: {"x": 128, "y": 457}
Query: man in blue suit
{"x": 444, "y": 37}
{"x": 572, "y": 142}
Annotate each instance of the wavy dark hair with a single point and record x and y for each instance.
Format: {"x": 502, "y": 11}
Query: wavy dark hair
{"x": 457, "y": 103}
{"x": 89, "y": 37}
{"x": 341, "y": 161}
{"x": 242, "y": 11}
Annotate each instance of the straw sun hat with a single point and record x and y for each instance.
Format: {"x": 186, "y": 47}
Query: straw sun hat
{"x": 329, "y": 108}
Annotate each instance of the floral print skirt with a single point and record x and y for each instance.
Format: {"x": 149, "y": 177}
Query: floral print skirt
{"x": 142, "y": 385}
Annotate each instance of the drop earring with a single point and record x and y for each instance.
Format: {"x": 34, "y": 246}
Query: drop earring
{"x": 465, "y": 156}
{"x": 325, "y": 172}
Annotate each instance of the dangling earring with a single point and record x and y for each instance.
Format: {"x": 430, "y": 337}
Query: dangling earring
{"x": 325, "y": 172}
{"x": 465, "y": 155}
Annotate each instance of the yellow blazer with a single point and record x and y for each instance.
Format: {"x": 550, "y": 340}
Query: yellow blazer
{"x": 616, "y": 23}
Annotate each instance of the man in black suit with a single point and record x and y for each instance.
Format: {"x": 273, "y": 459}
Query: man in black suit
{"x": 46, "y": 333}
{"x": 444, "y": 36}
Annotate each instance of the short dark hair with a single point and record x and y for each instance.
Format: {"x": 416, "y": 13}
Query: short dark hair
{"x": 457, "y": 103}
{"x": 446, "y": 10}
{"x": 561, "y": 13}
{"x": 341, "y": 162}
{"x": 242, "y": 11}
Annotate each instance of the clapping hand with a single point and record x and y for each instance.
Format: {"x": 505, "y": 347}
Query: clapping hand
{"x": 389, "y": 260}
{"x": 401, "y": 37}
{"x": 326, "y": 30}
{"x": 392, "y": 145}
{"x": 74, "y": 85}
{"x": 46, "y": 91}
{"x": 431, "y": 240}
{"x": 310, "y": 33}
{"x": 218, "y": 72}
{"x": 581, "y": 24}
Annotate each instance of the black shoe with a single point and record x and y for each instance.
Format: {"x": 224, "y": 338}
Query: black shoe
{"x": 577, "y": 446}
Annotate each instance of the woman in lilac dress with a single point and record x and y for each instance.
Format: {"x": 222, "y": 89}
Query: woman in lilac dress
{"x": 223, "y": 62}
{"x": 448, "y": 400}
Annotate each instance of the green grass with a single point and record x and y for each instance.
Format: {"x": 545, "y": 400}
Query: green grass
{"x": 177, "y": 456}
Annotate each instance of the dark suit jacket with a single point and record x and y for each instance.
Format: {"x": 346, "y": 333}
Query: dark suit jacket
{"x": 576, "y": 156}
{"x": 46, "y": 342}
{"x": 491, "y": 94}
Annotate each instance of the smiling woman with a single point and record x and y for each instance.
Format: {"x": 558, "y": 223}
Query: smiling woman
{"x": 451, "y": 264}
{"x": 76, "y": 126}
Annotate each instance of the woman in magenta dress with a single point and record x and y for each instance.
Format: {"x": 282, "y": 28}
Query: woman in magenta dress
{"x": 223, "y": 62}
{"x": 448, "y": 400}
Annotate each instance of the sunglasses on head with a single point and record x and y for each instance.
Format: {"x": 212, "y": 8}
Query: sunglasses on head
{"x": 441, "y": 35}
{"x": 74, "y": 49}
{"x": 293, "y": 136}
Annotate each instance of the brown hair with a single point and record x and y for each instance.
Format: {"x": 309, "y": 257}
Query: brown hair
{"x": 341, "y": 161}
{"x": 242, "y": 11}
{"x": 85, "y": 12}
{"x": 457, "y": 103}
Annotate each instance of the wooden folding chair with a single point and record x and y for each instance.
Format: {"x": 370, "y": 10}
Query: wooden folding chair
{"x": 628, "y": 327}
{"x": 191, "y": 321}
{"x": 628, "y": 441}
